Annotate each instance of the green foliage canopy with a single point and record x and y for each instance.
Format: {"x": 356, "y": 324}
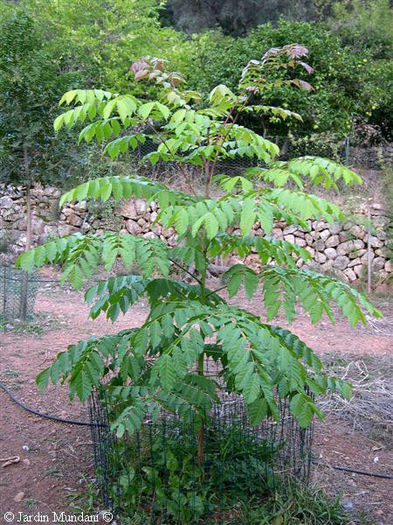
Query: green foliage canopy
{"x": 30, "y": 82}
{"x": 161, "y": 364}
{"x": 347, "y": 82}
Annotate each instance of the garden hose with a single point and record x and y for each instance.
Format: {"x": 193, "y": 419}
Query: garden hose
{"x": 47, "y": 416}
{"x": 88, "y": 424}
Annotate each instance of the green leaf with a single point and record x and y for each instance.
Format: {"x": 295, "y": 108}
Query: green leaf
{"x": 247, "y": 216}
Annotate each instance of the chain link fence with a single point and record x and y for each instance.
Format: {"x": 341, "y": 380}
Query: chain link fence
{"x": 349, "y": 151}
{"x": 18, "y": 292}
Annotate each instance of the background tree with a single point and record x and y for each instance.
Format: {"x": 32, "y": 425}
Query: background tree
{"x": 237, "y": 18}
{"x": 30, "y": 81}
{"x": 341, "y": 79}
{"x": 102, "y": 38}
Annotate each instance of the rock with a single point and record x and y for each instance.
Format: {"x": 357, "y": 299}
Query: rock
{"x": 344, "y": 248}
{"x": 132, "y": 227}
{"x": 354, "y": 254}
{"x": 19, "y": 497}
{"x": 172, "y": 240}
{"x": 375, "y": 242}
{"x": 128, "y": 210}
{"x": 37, "y": 226}
{"x": 358, "y": 231}
{"x": 66, "y": 229}
{"x": 335, "y": 229}
{"x": 358, "y": 270}
{"x": 320, "y": 257}
{"x": 67, "y": 211}
{"x": 300, "y": 242}
{"x": 378, "y": 264}
{"x": 153, "y": 216}
{"x": 343, "y": 236}
{"x": 355, "y": 262}
{"x": 140, "y": 206}
{"x": 350, "y": 274}
{"x": 277, "y": 232}
{"x": 6, "y": 203}
{"x": 149, "y": 235}
{"x": 49, "y": 191}
{"x": 358, "y": 244}
{"x": 319, "y": 226}
{"x": 310, "y": 250}
{"x": 142, "y": 222}
{"x": 300, "y": 234}
{"x": 383, "y": 276}
{"x": 389, "y": 266}
{"x": 309, "y": 239}
{"x": 74, "y": 220}
{"x": 341, "y": 262}
{"x": 289, "y": 229}
{"x": 319, "y": 245}
{"x": 364, "y": 257}
{"x": 327, "y": 266}
{"x": 157, "y": 229}
{"x": 289, "y": 238}
{"x": 332, "y": 241}
{"x": 330, "y": 253}
{"x": 81, "y": 206}
{"x": 324, "y": 234}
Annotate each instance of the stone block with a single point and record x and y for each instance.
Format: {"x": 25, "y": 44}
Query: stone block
{"x": 341, "y": 262}
{"x": 332, "y": 241}
{"x": 330, "y": 253}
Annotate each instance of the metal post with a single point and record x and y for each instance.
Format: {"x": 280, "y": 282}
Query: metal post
{"x": 369, "y": 262}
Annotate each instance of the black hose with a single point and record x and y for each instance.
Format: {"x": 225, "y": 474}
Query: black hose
{"x": 88, "y": 424}
{"x": 47, "y": 416}
{"x": 361, "y": 472}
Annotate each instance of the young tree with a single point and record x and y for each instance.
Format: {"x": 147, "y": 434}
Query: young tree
{"x": 162, "y": 363}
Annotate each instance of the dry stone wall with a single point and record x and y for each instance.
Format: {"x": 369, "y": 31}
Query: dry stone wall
{"x": 338, "y": 249}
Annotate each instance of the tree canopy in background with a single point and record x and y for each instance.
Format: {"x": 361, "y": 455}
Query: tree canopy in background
{"x": 103, "y": 38}
{"x": 30, "y": 81}
{"x": 66, "y": 44}
{"x": 341, "y": 78}
{"x": 237, "y": 18}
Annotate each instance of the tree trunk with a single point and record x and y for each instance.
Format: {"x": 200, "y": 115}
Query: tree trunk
{"x": 201, "y": 430}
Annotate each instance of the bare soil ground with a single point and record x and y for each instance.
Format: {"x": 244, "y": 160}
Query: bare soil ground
{"x": 56, "y": 460}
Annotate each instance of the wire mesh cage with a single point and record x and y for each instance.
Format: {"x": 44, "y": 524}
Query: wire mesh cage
{"x": 18, "y": 291}
{"x": 156, "y": 476}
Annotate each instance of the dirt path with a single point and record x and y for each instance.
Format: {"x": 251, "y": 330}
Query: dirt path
{"x": 56, "y": 459}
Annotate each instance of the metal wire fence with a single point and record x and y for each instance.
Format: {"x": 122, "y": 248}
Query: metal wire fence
{"x": 155, "y": 475}
{"x": 18, "y": 292}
